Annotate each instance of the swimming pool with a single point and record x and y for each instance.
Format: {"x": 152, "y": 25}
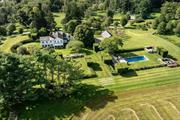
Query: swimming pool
{"x": 136, "y": 59}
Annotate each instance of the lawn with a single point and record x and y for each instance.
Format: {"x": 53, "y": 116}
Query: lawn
{"x": 58, "y": 18}
{"x": 172, "y": 38}
{"x": 10, "y": 41}
{"x": 83, "y": 63}
{"x": 103, "y": 68}
{"x": 150, "y": 95}
{"x": 100, "y": 13}
{"x": 117, "y": 16}
{"x": 33, "y": 44}
{"x": 139, "y": 38}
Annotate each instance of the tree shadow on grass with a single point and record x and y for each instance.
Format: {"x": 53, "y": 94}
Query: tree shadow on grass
{"x": 170, "y": 56}
{"x": 130, "y": 73}
{"x": 95, "y": 66}
{"x": 83, "y": 96}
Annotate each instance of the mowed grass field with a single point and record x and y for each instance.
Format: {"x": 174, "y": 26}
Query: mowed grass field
{"x": 152, "y": 95}
{"x": 139, "y": 38}
{"x": 10, "y": 41}
{"x": 58, "y": 18}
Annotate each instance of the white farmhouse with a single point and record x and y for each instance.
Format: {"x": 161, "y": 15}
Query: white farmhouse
{"x": 56, "y": 40}
{"x": 106, "y": 34}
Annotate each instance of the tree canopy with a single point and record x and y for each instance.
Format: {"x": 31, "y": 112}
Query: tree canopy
{"x": 112, "y": 44}
{"x": 85, "y": 34}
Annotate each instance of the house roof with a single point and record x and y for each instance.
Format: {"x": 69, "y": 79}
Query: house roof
{"x": 46, "y": 38}
{"x": 106, "y": 34}
{"x": 57, "y": 35}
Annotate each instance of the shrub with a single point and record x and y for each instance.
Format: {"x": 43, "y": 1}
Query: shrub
{"x": 129, "y": 50}
{"x": 75, "y": 45}
{"x": 15, "y": 46}
{"x": 33, "y": 36}
{"x": 96, "y": 47}
{"x": 109, "y": 13}
{"x": 155, "y": 23}
{"x": 20, "y": 30}
{"x": 22, "y": 51}
{"x": 95, "y": 66}
{"x": 143, "y": 27}
{"x": 11, "y": 28}
{"x": 177, "y": 29}
{"x": 111, "y": 44}
{"x": 107, "y": 59}
{"x": 139, "y": 20}
{"x": 3, "y": 31}
{"x": 161, "y": 29}
{"x": 162, "y": 51}
{"x": 124, "y": 21}
{"x": 42, "y": 32}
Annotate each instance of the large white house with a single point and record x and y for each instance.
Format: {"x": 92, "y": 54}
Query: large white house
{"x": 57, "y": 39}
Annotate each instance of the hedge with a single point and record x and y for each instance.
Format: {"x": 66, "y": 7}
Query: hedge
{"x": 150, "y": 67}
{"x": 96, "y": 47}
{"x": 129, "y": 50}
{"x": 162, "y": 51}
{"x": 15, "y": 46}
{"x": 121, "y": 68}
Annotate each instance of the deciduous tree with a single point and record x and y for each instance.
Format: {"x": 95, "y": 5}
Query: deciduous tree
{"x": 84, "y": 34}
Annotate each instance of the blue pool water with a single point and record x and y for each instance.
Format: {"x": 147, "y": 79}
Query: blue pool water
{"x": 136, "y": 59}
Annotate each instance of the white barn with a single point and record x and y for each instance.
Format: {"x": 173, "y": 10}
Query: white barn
{"x": 106, "y": 34}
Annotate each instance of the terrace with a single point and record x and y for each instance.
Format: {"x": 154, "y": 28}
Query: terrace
{"x": 138, "y": 59}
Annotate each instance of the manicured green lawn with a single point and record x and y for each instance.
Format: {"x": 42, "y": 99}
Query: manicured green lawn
{"x": 58, "y": 18}
{"x": 172, "y": 38}
{"x": 100, "y": 13}
{"x": 155, "y": 14}
{"x": 10, "y": 41}
{"x": 146, "y": 78}
{"x": 117, "y": 16}
{"x": 63, "y": 51}
{"x": 104, "y": 72}
{"x": 83, "y": 63}
{"x": 147, "y": 87}
{"x": 33, "y": 44}
{"x": 139, "y": 38}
